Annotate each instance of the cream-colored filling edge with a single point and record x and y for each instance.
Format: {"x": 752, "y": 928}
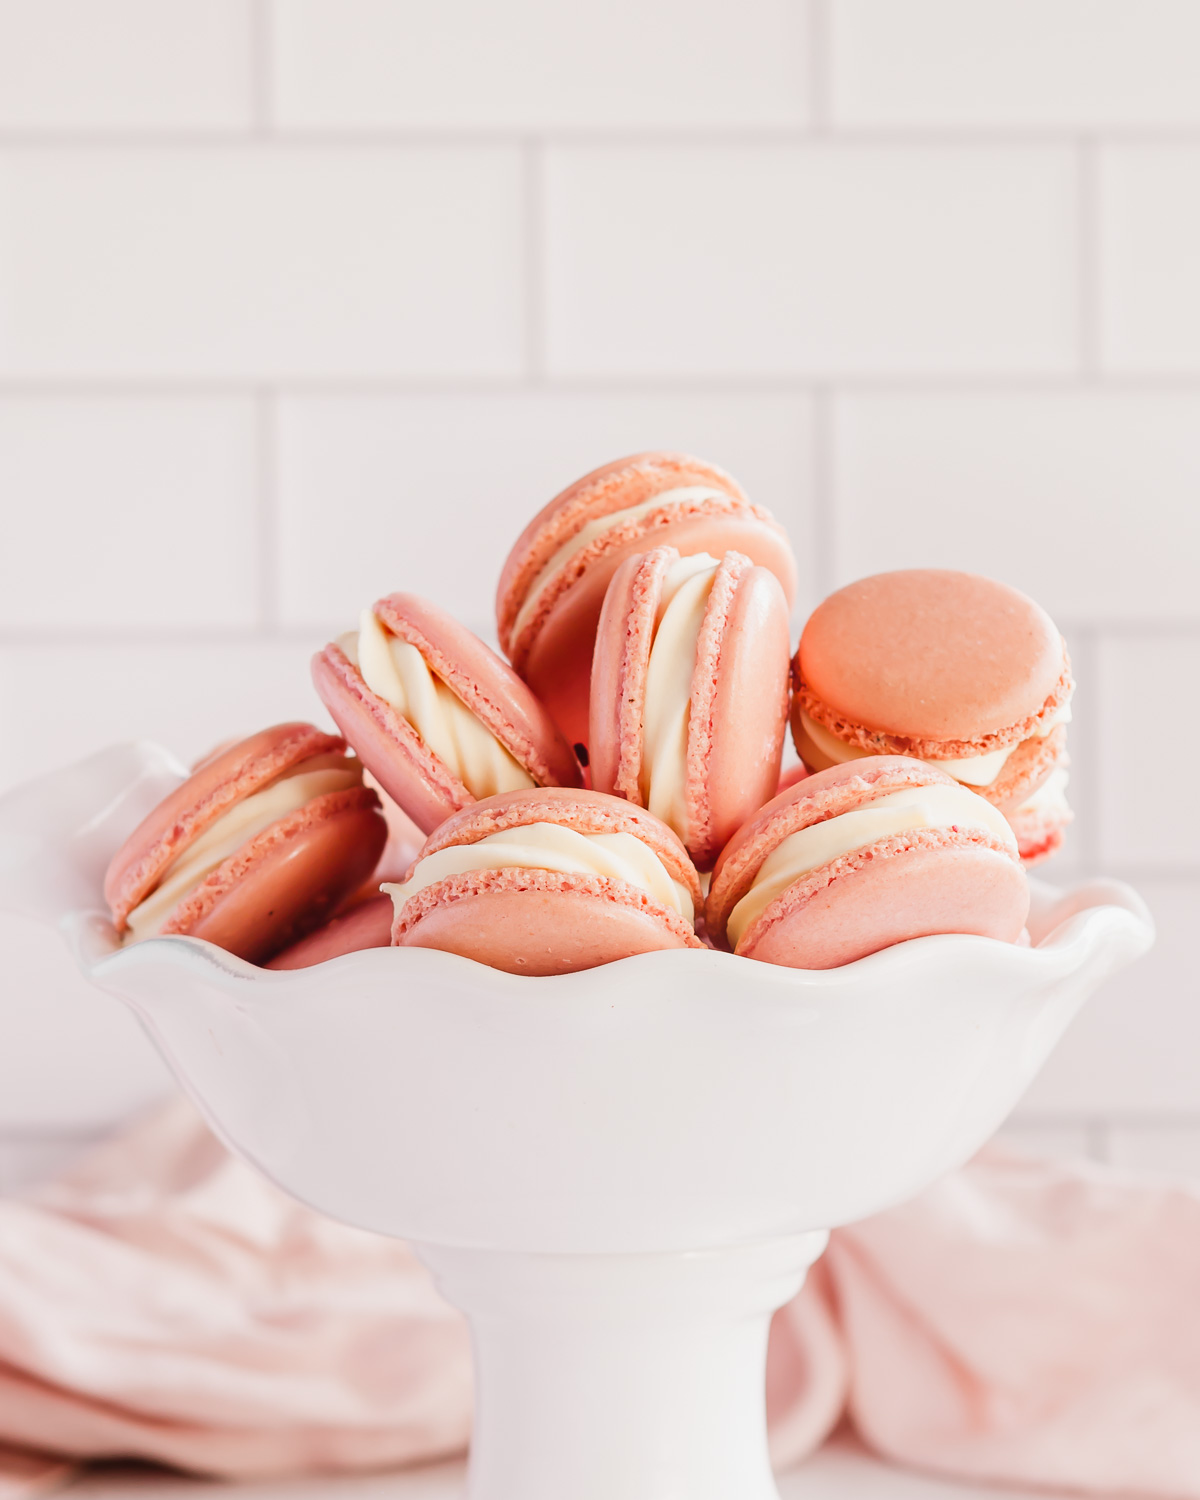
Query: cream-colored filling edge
{"x": 975, "y": 770}
{"x": 586, "y": 535}
{"x": 905, "y": 811}
{"x": 396, "y": 671}
{"x": 315, "y": 777}
{"x": 1051, "y": 796}
{"x": 547, "y": 846}
{"x": 667, "y": 702}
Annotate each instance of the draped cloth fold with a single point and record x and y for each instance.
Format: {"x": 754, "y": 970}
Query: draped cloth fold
{"x": 1021, "y": 1321}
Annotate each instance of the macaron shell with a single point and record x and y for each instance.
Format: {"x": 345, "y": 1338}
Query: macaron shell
{"x": 616, "y": 717}
{"x": 554, "y": 651}
{"x": 927, "y": 659}
{"x": 489, "y": 687}
{"x": 367, "y": 925}
{"x": 1030, "y": 764}
{"x": 909, "y": 886}
{"x": 386, "y": 743}
{"x": 1040, "y": 832}
{"x": 225, "y": 776}
{"x": 813, "y": 799}
{"x": 739, "y": 705}
{"x": 538, "y": 921}
{"x": 584, "y": 811}
{"x": 614, "y": 486}
{"x": 288, "y": 878}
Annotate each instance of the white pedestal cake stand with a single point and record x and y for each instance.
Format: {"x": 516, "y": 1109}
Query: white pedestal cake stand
{"x": 618, "y": 1175}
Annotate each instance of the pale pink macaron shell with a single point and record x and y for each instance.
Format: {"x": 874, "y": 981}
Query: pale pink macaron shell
{"x": 614, "y": 486}
{"x": 931, "y": 663}
{"x": 910, "y": 885}
{"x": 287, "y": 879}
{"x": 553, "y": 651}
{"x": 542, "y": 922}
{"x": 226, "y": 776}
{"x": 365, "y": 925}
{"x": 1040, "y": 832}
{"x": 412, "y": 775}
{"x": 738, "y": 709}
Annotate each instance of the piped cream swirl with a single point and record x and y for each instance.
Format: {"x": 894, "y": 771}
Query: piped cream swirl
{"x": 669, "y": 672}
{"x": 315, "y": 777}
{"x": 905, "y": 811}
{"x": 974, "y": 770}
{"x": 548, "y": 846}
{"x": 396, "y": 671}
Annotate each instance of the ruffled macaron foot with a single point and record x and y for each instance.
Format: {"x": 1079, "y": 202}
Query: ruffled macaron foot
{"x": 553, "y": 583}
{"x": 549, "y": 881}
{"x": 861, "y": 856}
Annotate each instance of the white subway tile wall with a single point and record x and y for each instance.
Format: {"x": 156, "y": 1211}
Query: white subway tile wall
{"x": 303, "y": 300}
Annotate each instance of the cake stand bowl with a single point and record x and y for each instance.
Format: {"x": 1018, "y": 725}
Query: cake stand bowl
{"x": 618, "y": 1175}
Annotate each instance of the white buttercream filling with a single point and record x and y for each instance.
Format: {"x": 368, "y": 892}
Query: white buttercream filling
{"x": 315, "y": 777}
{"x": 894, "y": 813}
{"x": 547, "y": 846}
{"x": 586, "y": 535}
{"x": 396, "y": 671}
{"x": 672, "y": 663}
{"x": 1051, "y": 796}
{"x": 975, "y": 770}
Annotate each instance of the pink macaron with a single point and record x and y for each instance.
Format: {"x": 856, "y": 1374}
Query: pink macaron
{"x": 366, "y": 924}
{"x": 549, "y": 881}
{"x": 689, "y": 692}
{"x": 863, "y": 855}
{"x": 435, "y": 715}
{"x": 953, "y": 668}
{"x": 262, "y": 842}
{"x": 553, "y": 584}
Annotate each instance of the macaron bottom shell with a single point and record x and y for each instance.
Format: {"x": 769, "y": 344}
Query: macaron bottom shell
{"x": 368, "y": 924}
{"x": 288, "y": 879}
{"x": 539, "y": 922}
{"x": 908, "y": 886}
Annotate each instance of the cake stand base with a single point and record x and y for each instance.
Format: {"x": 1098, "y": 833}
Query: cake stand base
{"x": 622, "y": 1377}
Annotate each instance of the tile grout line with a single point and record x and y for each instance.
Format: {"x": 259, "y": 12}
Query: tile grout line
{"x": 824, "y": 519}
{"x": 261, "y": 69}
{"x": 819, "y": 68}
{"x": 850, "y": 137}
{"x": 533, "y": 217}
{"x": 268, "y": 510}
{"x": 1085, "y": 792}
{"x": 965, "y": 385}
{"x": 1087, "y": 230}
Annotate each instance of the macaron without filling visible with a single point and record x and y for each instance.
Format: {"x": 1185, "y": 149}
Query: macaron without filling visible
{"x": 436, "y": 717}
{"x": 258, "y": 846}
{"x": 953, "y": 668}
{"x": 549, "y": 881}
{"x": 689, "y": 692}
{"x": 553, "y": 583}
{"x": 858, "y": 857}
{"x": 367, "y": 924}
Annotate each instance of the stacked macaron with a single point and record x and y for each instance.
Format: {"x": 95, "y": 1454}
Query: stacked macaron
{"x": 571, "y": 797}
{"x": 957, "y": 670}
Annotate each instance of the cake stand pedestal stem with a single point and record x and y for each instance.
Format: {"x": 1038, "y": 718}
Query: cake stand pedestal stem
{"x": 625, "y": 1376}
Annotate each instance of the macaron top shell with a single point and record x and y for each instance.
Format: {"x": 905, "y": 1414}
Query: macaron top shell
{"x": 487, "y": 685}
{"x": 931, "y": 662}
{"x": 614, "y": 486}
{"x": 813, "y": 799}
{"x": 218, "y": 783}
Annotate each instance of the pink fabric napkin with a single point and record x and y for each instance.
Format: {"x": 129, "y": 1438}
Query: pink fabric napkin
{"x": 1019, "y": 1322}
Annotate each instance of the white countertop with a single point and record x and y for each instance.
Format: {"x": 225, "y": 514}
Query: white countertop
{"x": 841, "y": 1471}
